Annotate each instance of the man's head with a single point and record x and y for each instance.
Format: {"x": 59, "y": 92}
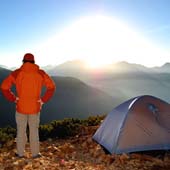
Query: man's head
{"x": 28, "y": 57}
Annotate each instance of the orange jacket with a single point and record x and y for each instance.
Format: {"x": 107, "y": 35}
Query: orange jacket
{"x": 29, "y": 80}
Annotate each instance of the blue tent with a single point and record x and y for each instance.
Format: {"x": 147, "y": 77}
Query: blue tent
{"x": 139, "y": 124}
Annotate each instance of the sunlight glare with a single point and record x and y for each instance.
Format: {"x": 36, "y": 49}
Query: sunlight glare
{"x": 100, "y": 40}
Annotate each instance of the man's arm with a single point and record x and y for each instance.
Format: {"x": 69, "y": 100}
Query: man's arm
{"x": 50, "y": 87}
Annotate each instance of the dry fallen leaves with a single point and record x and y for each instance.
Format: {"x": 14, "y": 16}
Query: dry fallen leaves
{"x": 77, "y": 153}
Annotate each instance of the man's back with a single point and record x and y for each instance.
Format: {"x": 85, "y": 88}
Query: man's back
{"x": 29, "y": 83}
{"x": 29, "y": 80}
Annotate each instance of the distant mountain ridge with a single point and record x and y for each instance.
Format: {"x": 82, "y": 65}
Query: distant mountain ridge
{"x": 122, "y": 80}
{"x": 73, "y": 98}
{"x": 82, "y": 91}
{"x": 163, "y": 69}
{"x": 76, "y": 68}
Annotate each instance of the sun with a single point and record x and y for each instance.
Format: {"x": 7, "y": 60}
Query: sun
{"x": 100, "y": 40}
{"x": 96, "y": 63}
{"x": 95, "y": 38}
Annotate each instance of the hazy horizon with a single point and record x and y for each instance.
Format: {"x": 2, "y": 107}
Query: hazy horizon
{"x": 85, "y": 64}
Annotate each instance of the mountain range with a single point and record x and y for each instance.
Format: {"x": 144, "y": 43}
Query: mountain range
{"x": 82, "y": 91}
{"x": 121, "y": 80}
{"x": 72, "y": 99}
{"x": 74, "y": 67}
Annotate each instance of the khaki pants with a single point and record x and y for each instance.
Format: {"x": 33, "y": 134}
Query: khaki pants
{"x": 33, "y": 122}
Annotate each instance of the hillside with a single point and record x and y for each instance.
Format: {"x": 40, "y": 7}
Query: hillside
{"x": 122, "y": 80}
{"x": 73, "y": 98}
{"x": 88, "y": 92}
{"x": 6, "y": 108}
{"x": 80, "y": 153}
{"x": 164, "y": 68}
{"x": 128, "y": 85}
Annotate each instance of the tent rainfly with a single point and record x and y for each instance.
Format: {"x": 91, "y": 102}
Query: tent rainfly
{"x": 139, "y": 124}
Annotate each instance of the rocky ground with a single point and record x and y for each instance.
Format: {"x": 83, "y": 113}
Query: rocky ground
{"x": 80, "y": 153}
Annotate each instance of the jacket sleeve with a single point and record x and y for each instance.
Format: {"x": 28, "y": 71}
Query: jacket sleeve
{"x": 6, "y": 87}
{"x": 50, "y": 87}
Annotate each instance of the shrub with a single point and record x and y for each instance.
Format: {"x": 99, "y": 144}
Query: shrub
{"x": 67, "y": 127}
{"x": 56, "y": 129}
{"x": 6, "y": 134}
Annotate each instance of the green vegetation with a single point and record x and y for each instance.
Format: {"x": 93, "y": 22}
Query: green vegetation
{"x": 67, "y": 127}
{"x": 7, "y": 134}
{"x": 56, "y": 129}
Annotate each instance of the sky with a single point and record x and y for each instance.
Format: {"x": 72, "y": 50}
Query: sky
{"x": 97, "y": 31}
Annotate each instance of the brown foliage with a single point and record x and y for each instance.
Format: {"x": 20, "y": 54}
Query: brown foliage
{"x": 77, "y": 153}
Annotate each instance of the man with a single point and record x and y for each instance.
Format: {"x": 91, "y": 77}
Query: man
{"x": 29, "y": 80}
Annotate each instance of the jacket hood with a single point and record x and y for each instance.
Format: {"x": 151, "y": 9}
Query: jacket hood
{"x": 29, "y": 67}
